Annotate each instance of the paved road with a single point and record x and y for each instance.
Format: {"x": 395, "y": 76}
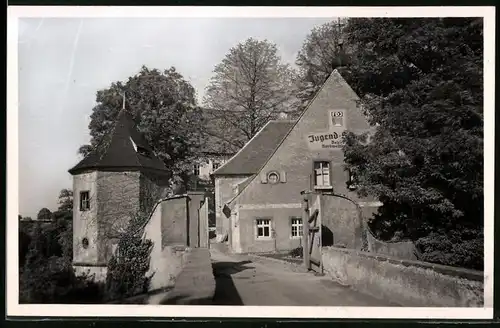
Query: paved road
{"x": 240, "y": 281}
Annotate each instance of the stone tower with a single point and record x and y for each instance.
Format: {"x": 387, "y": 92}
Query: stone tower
{"x": 121, "y": 178}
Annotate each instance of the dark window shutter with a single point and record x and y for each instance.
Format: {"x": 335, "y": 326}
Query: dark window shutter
{"x": 263, "y": 177}
{"x": 282, "y": 176}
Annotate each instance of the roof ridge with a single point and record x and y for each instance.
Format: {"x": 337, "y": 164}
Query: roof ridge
{"x": 286, "y": 136}
{"x": 241, "y": 149}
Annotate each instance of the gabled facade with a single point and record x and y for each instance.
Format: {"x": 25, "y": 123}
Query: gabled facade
{"x": 264, "y": 213}
{"x": 121, "y": 178}
{"x": 243, "y": 165}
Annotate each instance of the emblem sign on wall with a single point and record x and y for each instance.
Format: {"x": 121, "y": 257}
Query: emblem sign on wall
{"x": 333, "y": 137}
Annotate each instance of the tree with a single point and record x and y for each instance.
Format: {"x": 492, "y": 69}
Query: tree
{"x": 44, "y": 215}
{"x": 65, "y": 200}
{"x": 249, "y": 87}
{"x": 421, "y": 83}
{"x": 163, "y": 105}
{"x": 326, "y": 48}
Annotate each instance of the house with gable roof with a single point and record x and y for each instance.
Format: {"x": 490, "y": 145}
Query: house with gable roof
{"x": 261, "y": 206}
{"x": 233, "y": 174}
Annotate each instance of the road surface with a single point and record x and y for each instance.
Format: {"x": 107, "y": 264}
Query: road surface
{"x": 241, "y": 281}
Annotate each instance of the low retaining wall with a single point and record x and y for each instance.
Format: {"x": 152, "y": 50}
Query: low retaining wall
{"x": 165, "y": 265}
{"x": 406, "y": 282}
{"x": 402, "y": 250}
{"x": 195, "y": 284}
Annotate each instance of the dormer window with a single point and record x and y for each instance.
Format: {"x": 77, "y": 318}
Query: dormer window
{"x": 133, "y": 144}
{"x": 140, "y": 150}
{"x": 143, "y": 151}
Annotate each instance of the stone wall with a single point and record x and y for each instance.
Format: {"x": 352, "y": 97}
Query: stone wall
{"x": 224, "y": 192}
{"x": 174, "y": 225}
{"x": 85, "y": 222}
{"x": 195, "y": 200}
{"x": 203, "y": 216}
{"x": 405, "y": 282}
{"x": 341, "y": 222}
{"x": 118, "y": 201}
{"x": 166, "y": 261}
{"x": 401, "y": 250}
{"x": 152, "y": 188}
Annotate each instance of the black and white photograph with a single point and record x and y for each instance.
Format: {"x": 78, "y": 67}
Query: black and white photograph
{"x": 315, "y": 162}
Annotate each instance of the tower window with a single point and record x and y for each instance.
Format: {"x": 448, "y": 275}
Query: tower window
{"x": 196, "y": 169}
{"x": 84, "y": 200}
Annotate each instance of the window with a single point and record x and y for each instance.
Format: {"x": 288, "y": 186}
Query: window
{"x": 84, "y": 201}
{"x": 263, "y": 228}
{"x": 85, "y": 243}
{"x": 143, "y": 151}
{"x": 273, "y": 177}
{"x": 216, "y": 165}
{"x": 322, "y": 175}
{"x": 196, "y": 169}
{"x": 296, "y": 227}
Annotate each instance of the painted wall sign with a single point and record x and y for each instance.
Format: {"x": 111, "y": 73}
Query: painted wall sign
{"x": 333, "y": 138}
{"x": 326, "y": 140}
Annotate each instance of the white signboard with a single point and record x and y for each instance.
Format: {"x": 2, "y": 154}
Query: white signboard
{"x": 326, "y": 140}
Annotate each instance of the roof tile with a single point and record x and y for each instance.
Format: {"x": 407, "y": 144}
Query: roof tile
{"x": 256, "y": 151}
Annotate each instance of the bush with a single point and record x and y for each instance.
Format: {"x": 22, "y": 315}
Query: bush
{"x": 296, "y": 252}
{"x": 127, "y": 268}
{"x": 53, "y": 280}
{"x": 46, "y": 273}
{"x": 453, "y": 250}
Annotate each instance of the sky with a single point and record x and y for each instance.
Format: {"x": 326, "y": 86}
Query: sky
{"x": 64, "y": 61}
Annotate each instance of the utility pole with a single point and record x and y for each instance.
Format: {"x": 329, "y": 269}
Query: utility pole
{"x": 123, "y": 102}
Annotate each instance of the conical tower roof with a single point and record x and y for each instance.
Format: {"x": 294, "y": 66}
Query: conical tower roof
{"x": 124, "y": 149}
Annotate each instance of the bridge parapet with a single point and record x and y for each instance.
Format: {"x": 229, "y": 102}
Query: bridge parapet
{"x": 405, "y": 282}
